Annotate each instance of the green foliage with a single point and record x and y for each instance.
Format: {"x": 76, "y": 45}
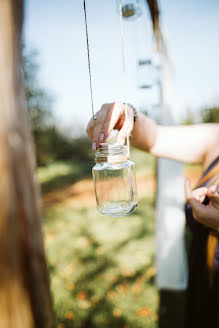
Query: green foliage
{"x": 210, "y": 115}
{"x": 59, "y": 174}
{"x": 38, "y": 100}
{"x": 50, "y": 143}
{"x": 102, "y": 269}
{"x": 190, "y": 118}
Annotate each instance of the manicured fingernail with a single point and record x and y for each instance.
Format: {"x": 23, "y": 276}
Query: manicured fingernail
{"x": 213, "y": 189}
{"x": 102, "y": 135}
{"x": 94, "y": 146}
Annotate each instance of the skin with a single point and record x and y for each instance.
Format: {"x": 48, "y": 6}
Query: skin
{"x": 209, "y": 214}
{"x": 197, "y": 144}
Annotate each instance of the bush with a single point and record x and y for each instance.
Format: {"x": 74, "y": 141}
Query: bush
{"x": 210, "y": 115}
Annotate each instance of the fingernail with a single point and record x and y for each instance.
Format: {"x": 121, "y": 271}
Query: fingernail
{"x": 213, "y": 189}
{"x": 102, "y": 135}
{"x": 94, "y": 146}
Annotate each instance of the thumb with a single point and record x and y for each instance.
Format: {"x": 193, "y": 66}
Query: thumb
{"x": 126, "y": 130}
{"x": 197, "y": 207}
{"x": 213, "y": 195}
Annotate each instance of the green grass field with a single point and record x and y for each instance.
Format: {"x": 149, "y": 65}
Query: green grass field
{"x": 101, "y": 269}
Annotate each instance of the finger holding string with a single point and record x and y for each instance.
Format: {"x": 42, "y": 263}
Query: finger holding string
{"x": 114, "y": 120}
{"x": 106, "y": 120}
{"x": 96, "y": 127}
{"x": 127, "y": 127}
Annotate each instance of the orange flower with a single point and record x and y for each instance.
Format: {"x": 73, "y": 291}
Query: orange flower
{"x": 116, "y": 313}
{"x": 82, "y": 295}
{"x": 111, "y": 294}
{"x": 69, "y": 315}
{"x": 70, "y": 285}
{"x": 151, "y": 273}
{"x": 128, "y": 273}
{"x": 144, "y": 312}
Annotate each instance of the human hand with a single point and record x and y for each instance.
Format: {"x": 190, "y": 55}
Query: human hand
{"x": 205, "y": 214}
{"x": 109, "y": 117}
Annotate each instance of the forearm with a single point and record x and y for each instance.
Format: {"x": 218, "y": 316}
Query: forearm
{"x": 191, "y": 144}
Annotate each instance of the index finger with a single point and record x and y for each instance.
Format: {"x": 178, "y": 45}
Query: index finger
{"x": 213, "y": 194}
{"x": 114, "y": 112}
{"x": 197, "y": 208}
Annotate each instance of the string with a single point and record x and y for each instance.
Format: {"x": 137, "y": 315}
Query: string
{"x": 123, "y": 63}
{"x": 124, "y": 72}
{"x": 88, "y": 57}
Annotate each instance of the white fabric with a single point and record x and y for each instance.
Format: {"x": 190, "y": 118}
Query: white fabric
{"x": 170, "y": 220}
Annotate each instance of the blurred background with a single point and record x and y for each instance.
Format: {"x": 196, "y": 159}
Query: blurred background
{"x": 102, "y": 269}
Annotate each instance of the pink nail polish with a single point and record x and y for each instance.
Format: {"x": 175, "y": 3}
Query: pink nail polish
{"x": 102, "y": 135}
{"x": 94, "y": 146}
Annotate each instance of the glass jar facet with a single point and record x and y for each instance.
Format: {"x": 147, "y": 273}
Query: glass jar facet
{"x": 114, "y": 181}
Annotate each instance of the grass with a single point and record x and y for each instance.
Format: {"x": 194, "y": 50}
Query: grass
{"x": 59, "y": 175}
{"x": 101, "y": 269}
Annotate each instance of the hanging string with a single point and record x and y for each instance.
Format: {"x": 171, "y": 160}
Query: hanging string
{"x": 88, "y": 57}
{"x": 123, "y": 63}
{"x": 124, "y": 71}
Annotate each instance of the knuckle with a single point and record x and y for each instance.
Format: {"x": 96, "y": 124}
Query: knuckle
{"x": 106, "y": 126}
{"x": 104, "y": 107}
{"x": 88, "y": 129}
{"x": 118, "y": 105}
{"x": 96, "y": 133}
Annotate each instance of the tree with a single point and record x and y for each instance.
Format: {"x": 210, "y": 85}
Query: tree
{"x": 24, "y": 284}
{"x": 39, "y": 103}
{"x": 210, "y": 115}
{"x": 50, "y": 142}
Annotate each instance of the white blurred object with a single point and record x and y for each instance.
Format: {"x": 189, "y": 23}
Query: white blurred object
{"x": 170, "y": 217}
{"x": 170, "y": 221}
{"x": 145, "y": 73}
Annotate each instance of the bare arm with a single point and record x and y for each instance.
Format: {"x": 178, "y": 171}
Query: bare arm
{"x": 193, "y": 144}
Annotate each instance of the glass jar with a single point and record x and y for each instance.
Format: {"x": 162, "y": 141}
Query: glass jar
{"x": 114, "y": 181}
{"x": 131, "y": 9}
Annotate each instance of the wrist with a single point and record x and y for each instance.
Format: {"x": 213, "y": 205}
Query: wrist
{"x": 135, "y": 113}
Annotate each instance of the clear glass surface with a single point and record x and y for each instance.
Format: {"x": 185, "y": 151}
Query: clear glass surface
{"x": 115, "y": 188}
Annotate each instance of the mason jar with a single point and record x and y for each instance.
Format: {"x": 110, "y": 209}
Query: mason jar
{"x": 114, "y": 181}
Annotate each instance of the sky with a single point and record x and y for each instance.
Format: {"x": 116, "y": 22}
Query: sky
{"x": 56, "y": 29}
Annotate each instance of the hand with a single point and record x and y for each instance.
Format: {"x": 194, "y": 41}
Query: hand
{"x": 205, "y": 214}
{"x": 110, "y": 116}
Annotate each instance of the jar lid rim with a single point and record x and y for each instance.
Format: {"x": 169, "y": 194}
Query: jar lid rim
{"x": 107, "y": 151}
{"x": 116, "y": 146}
